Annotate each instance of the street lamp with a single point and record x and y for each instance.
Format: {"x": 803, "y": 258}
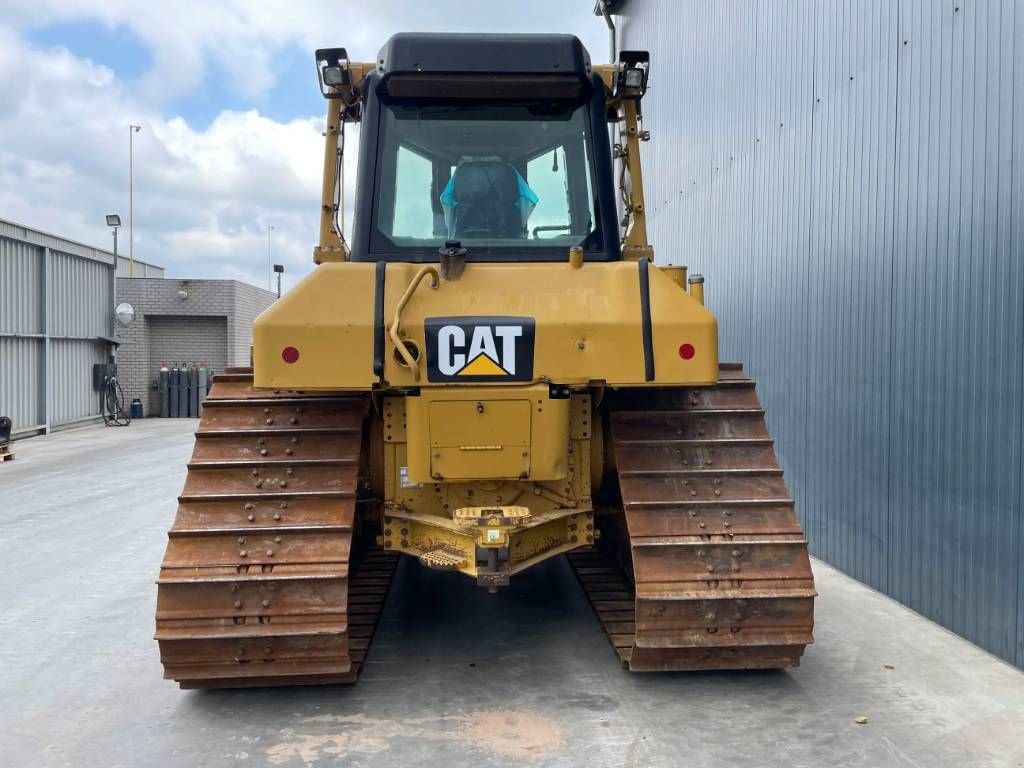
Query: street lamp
{"x": 132, "y": 130}
{"x": 279, "y": 269}
{"x": 270, "y": 229}
{"x": 114, "y": 221}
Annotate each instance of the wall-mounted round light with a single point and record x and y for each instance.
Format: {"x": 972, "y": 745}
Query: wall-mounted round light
{"x": 125, "y": 313}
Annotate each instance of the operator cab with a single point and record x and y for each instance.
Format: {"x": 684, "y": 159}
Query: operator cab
{"x": 498, "y": 142}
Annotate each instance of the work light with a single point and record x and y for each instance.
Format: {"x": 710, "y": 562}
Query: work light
{"x": 633, "y": 69}
{"x": 332, "y": 67}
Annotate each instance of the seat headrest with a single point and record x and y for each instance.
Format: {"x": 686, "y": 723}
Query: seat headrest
{"x": 477, "y": 178}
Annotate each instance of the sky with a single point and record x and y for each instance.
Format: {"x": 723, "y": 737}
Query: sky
{"x": 231, "y": 115}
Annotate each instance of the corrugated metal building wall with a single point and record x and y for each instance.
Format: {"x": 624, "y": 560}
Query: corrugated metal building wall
{"x": 125, "y": 268}
{"x": 849, "y": 176}
{"x": 56, "y": 307}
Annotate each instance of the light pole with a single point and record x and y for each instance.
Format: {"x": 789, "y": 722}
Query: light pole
{"x": 132, "y": 130}
{"x": 270, "y": 228}
{"x": 279, "y": 269}
{"x": 114, "y": 221}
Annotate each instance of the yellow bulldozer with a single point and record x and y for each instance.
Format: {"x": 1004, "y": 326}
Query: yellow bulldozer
{"x": 492, "y": 372}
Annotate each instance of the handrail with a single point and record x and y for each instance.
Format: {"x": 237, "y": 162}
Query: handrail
{"x": 435, "y": 280}
{"x": 550, "y": 228}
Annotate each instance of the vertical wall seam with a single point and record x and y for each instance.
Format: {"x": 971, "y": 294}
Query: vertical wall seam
{"x": 45, "y": 417}
{"x": 753, "y": 74}
{"x": 891, "y": 336}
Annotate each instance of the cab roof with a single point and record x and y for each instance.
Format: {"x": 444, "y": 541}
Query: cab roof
{"x": 484, "y": 54}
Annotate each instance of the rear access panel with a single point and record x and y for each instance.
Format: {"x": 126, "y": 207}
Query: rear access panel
{"x": 486, "y": 438}
{"x": 462, "y": 433}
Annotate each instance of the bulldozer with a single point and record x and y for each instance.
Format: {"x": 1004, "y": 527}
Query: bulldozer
{"x": 490, "y": 372}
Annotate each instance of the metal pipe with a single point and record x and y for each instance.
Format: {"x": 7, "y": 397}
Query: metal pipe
{"x": 602, "y": 6}
{"x": 396, "y": 339}
{"x": 112, "y": 304}
{"x": 697, "y": 287}
{"x": 113, "y": 290}
{"x": 270, "y": 265}
{"x": 44, "y": 295}
{"x": 612, "y": 53}
{"x": 132, "y": 130}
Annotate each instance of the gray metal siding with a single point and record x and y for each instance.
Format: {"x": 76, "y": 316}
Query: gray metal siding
{"x": 849, "y": 176}
{"x": 71, "y": 396}
{"x": 140, "y": 268}
{"x": 56, "y": 299}
{"x": 21, "y": 365}
{"x": 20, "y": 307}
{"x": 80, "y": 297}
{"x": 1017, "y": 236}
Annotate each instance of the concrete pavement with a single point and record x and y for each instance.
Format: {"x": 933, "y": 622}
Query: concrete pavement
{"x": 456, "y": 677}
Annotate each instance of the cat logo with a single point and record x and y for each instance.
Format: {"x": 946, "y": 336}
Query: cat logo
{"x": 474, "y": 349}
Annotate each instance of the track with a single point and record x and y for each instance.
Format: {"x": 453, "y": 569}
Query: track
{"x": 718, "y": 575}
{"x": 260, "y": 583}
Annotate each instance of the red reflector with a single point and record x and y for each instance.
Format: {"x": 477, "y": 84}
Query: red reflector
{"x": 686, "y": 351}
{"x": 289, "y": 354}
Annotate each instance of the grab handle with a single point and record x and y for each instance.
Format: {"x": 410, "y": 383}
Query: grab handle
{"x": 435, "y": 280}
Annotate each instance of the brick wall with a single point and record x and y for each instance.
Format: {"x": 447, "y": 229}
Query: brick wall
{"x": 250, "y": 301}
{"x": 184, "y": 340}
{"x": 213, "y": 323}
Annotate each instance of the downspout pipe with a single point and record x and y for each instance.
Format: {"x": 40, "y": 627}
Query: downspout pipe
{"x": 603, "y": 10}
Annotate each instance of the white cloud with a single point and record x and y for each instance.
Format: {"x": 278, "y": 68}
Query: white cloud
{"x": 203, "y": 197}
{"x": 242, "y": 37}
